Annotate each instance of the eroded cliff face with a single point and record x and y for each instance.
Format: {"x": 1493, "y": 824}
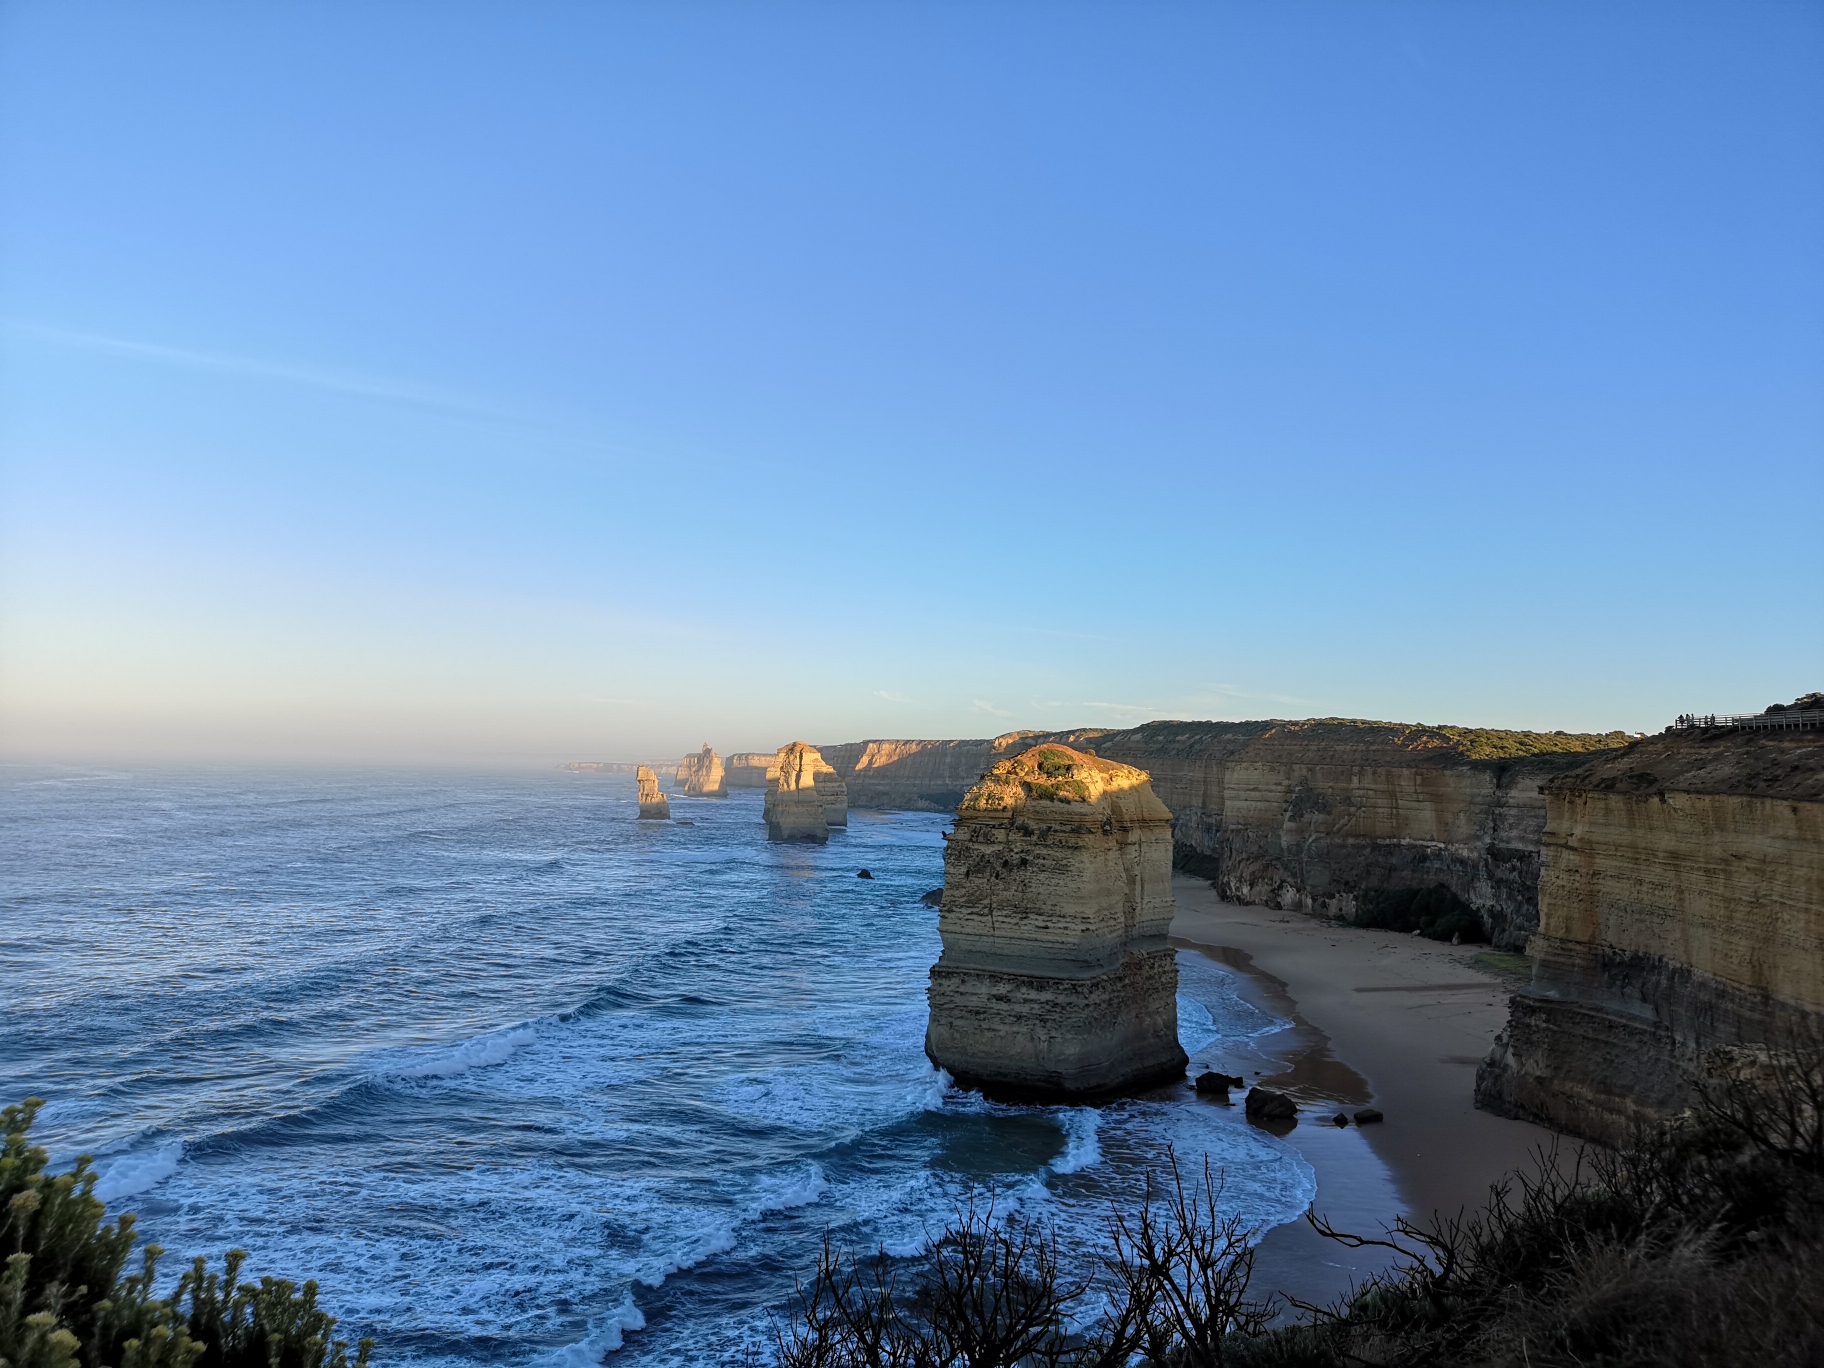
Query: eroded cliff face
{"x": 1303, "y": 816}
{"x": 794, "y": 809}
{"x": 1056, "y": 979}
{"x": 1682, "y": 914}
{"x": 701, "y": 775}
{"x": 653, "y": 806}
{"x": 748, "y": 769}
{"x": 917, "y": 776}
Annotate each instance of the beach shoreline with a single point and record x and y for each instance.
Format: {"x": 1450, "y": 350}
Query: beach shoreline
{"x": 1379, "y": 1019}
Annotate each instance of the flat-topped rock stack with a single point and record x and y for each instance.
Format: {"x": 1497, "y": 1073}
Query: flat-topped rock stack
{"x": 653, "y": 806}
{"x": 701, "y": 775}
{"x": 794, "y": 809}
{"x": 1056, "y": 979}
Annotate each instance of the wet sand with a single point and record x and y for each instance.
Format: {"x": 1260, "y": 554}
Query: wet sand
{"x": 1380, "y": 1019}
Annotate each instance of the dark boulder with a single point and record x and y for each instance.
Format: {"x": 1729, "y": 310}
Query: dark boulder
{"x": 864, "y": 874}
{"x": 1367, "y": 1116}
{"x": 1339, "y": 1120}
{"x": 933, "y": 898}
{"x": 1210, "y": 1082}
{"x": 1266, "y": 1105}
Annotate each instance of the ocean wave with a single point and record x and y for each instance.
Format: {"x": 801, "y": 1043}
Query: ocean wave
{"x": 135, "y": 1172}
{"x": 786, "y": 1191}
{"x": 1196, "y": 1027}
{"x": 477, "y": 1052}
{"x": 1080, "y": 1148}
{"x": 604, "y": 1337}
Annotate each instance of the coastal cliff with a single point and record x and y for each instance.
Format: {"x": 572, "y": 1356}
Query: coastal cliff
{"x": 917, "y": 776}
{"x": 653, "y": 807}
{"x": 748, "y": 769}
{"x": 1316, "y": 816}
{"x": 794, "y": 808}
{"x": 701, "y": 775}
{"x": 1055, "y": 978}
{"x": 1681, "y": 914}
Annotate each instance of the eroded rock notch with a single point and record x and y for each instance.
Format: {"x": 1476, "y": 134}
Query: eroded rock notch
{"x": 1056, "y": 979}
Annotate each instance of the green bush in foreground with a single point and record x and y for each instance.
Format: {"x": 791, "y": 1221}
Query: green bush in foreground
{"x": 1701, "y": 1246}
{"x": 65, "y": 1302}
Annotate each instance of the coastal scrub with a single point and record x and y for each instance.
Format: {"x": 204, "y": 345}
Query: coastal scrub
{"x": 66, "y": 1302}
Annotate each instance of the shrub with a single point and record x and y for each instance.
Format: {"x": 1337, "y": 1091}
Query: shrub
{"x": 64, "y": 1302}
{"x": 1699, "y": 1246}
{"x": 990, "y": 1294}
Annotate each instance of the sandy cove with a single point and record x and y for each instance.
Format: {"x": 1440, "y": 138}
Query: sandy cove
{"x": 1381, "y": 1019}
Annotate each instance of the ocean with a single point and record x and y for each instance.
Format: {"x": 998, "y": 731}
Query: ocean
{"x": 522, "y": 1080}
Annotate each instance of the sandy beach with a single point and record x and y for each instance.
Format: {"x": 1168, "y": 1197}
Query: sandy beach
{"x": 1380, "y": 1019}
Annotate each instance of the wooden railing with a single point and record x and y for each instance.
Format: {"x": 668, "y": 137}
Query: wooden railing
{"x": 1788, "y": 719}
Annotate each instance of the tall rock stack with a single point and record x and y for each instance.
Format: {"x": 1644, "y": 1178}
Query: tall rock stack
{"x": 794, "y": 808}
{"x": 1056, "y": 979}
{"x": 701, "y": 775}
{"x": 653, "y": 806}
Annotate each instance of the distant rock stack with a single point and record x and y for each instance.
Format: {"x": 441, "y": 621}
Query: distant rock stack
{"x": 1056, "y": 980}
{"x": 749, "y": 769}
{"x": 794, "y": 803}
{"x": 701, "y": 775}
{"x": 653, "y": 806}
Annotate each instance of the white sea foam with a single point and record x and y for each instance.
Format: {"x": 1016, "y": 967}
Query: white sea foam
{"x": 129, "y": 1174}
{"x": 1080, "y": 1148}
{"x": 1196, "y": 1027}
{"x": 478, "y": 1052}
{"x": 605, "y": 1336}
{"x": 783, "y": 1192}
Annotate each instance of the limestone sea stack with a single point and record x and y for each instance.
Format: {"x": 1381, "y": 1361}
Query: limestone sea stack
{"x": 700, "y": 775}
{"x": 1056, "y": 980}
{"x": 653, "y": 806}
{"x": 794, "y": 808}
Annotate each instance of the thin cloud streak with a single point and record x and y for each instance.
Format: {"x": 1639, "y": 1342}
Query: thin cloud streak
{"x": 343, "y": 382}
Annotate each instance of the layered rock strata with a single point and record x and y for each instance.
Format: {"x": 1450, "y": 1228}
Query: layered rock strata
{"x": 1309, "y": 816}
{"x": 1681, "y": 922}
{"x": 1056, "y": 979}
{"x": 794, "y": 809}
{"x": 653, "y": 806}
{"x": 701, "y": 775}
{"x": 831, "y": 790}
{"x": 749, "y": 769}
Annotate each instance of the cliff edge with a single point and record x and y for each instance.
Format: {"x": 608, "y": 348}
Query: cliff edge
{"x": 1055, "y": 978}
{"x": 1681, "y": 914}
{"x": 1322, "y": 816}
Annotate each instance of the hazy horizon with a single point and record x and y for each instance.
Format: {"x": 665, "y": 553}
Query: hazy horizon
{"x": 514, "y": 385}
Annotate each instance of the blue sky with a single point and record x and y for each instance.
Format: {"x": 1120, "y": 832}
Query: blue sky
{"x": 524, "y": 382}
